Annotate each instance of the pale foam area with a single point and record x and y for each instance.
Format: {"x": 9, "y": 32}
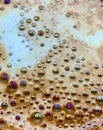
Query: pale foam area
{"x": 92, "y": 40}
{"x": 66, "y": 25}
{"x": 12, "y": 42}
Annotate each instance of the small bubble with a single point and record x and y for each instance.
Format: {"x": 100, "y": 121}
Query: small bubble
{"x": 24, "y": 70}
{"x": 40, "y": 7}
{"x": 36, "y": 18}
{"x": 56, "y": 35}
{"x": 21, "y": 27}
{"x": 31, "y": 32}
{"x": 9, "y": 65}
{"x": 28, "y": 20}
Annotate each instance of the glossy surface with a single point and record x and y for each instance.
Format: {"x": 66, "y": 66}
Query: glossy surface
{"x": 51, "y": 65}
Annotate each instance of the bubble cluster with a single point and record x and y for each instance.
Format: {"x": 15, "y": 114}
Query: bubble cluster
{"x": 63, "y": 90}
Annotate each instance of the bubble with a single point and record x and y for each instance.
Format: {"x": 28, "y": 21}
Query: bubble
{"x": 68, "y": 14}
{"x": 31, "y": 32}
{"x": 4, "y": 104}
{"x": 12, "y": 86}
{"x": 44, "y": 125}
{"x": 41, "y": 7}
{"x": 47, "y": 30}
{"x": 47, "y": 35}
{"x": 56, "y": 107}
{"x": 41, "y": 107}
{"x": 19, "y": 33}
{"x": 37, "y": 117}
{"x": 22, "y": 7}
{"x": 55, "y": 70}
{"x": 40, "y": 32}
{"x": 7, "y": 1}
{"x": 28, "y": 20}
{"x": 22, "y": 27}
{"x": 26, "y": 92}
{"x": 24, "y": 70}
{"x": 42, "y": 44}
{"x": 4, "y": 76}
{"x": 66, "y": 59}
{"x": 22, "y": 21}
{"x": 48, "y": 115}
{"x": 17, "y": 117}
{"x": 67, "y": 68}
{"x": 23, "y": 83}
{"x": 55, "y": 63}
{"x": 36, "y": 18}
{"x": 41, "y": 72}
{"x": 13, "y": 102}
{"x": 72, "y": 56}
{"x": 72, "y": 75}
{"x": 74, "y": 48}
{"x": 56, "y": 35}
{"x": 34, "y": 25}
{"x": 94, "y": 90}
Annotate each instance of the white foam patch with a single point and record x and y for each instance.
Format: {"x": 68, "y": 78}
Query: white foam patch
{"x": 13, "y": 43}
{"x": 92, "y": 39}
